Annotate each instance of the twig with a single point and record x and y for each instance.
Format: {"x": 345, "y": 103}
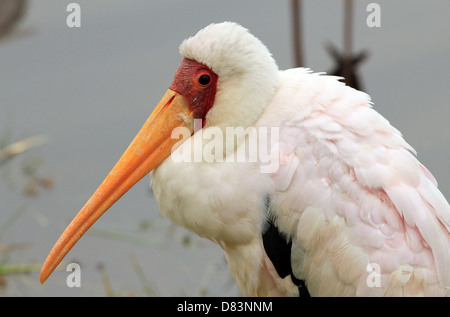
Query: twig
{"x": 296, "y": 32}
{"x": 11, "y": 12}
{"x": 19, "y": 268}
{"x": 123, "y": 237}
{"x": 348, "y": 38}
{"x": 149, "y": 288}
{"x": 19, "y": 147}
{"x": 106, "y": 281}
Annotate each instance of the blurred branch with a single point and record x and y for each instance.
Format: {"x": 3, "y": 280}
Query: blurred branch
{"x": 296, "y": 32}
{"x": 347, "y": 62}
{"x": 149, "y": 288}
{"x": 11, "y": 12}
{"x": 11, "y": 220}
{"x": 348, "y": 28}
{"x": 122, "y": 237}
{"x": 106, "y": 281}
{"x": 19, "y": 268}
{"x": 348, "y": 38}
{"x": 19, "y": 147}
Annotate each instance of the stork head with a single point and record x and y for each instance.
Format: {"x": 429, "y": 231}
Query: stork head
{"x": 226, "y": 78}
{"x": 246, "y": 73}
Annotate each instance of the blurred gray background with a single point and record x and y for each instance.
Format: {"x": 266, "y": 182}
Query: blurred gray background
{"x": 90, "y": 89}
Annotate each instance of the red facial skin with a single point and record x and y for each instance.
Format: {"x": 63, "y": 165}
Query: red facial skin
{"x": 200, "y": 97}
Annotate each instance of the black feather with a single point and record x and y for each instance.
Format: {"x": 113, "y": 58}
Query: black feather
{"x": 278, "y": 249}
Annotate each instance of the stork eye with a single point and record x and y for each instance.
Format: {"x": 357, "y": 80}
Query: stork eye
{"x": 204, "y": 80}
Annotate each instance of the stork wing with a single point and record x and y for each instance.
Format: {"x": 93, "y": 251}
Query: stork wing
{"x": 365, "y": 217}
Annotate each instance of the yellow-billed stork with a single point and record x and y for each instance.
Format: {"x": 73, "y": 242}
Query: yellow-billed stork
{"x": 347, "y": 210}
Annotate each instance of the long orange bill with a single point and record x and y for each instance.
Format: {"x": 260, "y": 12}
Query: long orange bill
{"x": 151, "y": 146}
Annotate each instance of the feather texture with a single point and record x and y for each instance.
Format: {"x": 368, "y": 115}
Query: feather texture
{"x": 362, "y": 215}
{"x": 357, "y": 191}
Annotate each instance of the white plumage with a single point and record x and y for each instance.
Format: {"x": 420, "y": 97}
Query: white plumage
{"x": 361, "y": 215}
{"x": 349, "y": 194}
